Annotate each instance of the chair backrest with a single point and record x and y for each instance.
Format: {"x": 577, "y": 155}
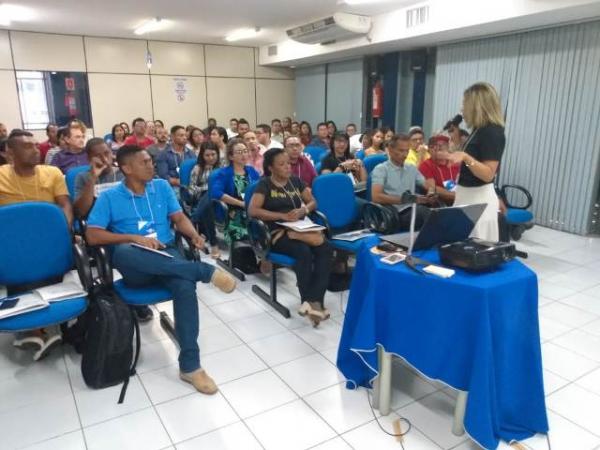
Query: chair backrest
{"x": 368, "y": 188}
{"x": 70, "y": 178}
{"x": 29, "y": 252}
{"x": 371, "y": 161}
{"x": 315, "y": 153}
{"x": 335, "y": 198}
{"x": 185, "y": 171}
{"x": 360, "y": 154}
{"x": 107, "y": 137}
{"x": 248, "y": 193}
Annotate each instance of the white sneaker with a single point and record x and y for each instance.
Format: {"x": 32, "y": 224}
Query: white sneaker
{"x": 52, "y": 339}
{"x": 28, "y": 340}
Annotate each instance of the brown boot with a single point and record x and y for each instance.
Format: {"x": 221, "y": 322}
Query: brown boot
{"x": 200, "y": 380}
{"x": 223, "y": 281}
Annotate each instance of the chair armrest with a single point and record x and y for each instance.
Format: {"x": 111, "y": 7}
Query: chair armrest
{"x": 518, "y": 188}
{"x": 103, "y": 265}
{"x": 82, "y": 263}
{"x": 320, "y": 218}
{"x": 259, "y": 236}
{"x": 186, "y": 247}
{"x": 380, "y": 218}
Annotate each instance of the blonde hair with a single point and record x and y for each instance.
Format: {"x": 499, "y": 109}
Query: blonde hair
{"x": 481, "y": 106}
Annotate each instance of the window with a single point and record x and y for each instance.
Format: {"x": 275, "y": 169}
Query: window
{"x": 53, "y": 97}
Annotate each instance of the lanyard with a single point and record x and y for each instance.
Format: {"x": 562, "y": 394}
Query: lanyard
{"x": 141, "y": 219}
{"x": 442, "y": 175}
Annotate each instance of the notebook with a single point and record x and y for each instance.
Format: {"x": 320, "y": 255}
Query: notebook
{"x": 302, "y": 226}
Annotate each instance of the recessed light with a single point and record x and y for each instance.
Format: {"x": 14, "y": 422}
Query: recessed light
{"x": 15, "y": 13}
{"x": 151, "y": 25}
{"x": 242, "y": 33}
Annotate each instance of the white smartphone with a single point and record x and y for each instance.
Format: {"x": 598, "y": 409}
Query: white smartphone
{"x": 394, "y": 258}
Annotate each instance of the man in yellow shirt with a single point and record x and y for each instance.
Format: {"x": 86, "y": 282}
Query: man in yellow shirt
{"x": 26, "y": 181}
{"x": 418, "y": 151}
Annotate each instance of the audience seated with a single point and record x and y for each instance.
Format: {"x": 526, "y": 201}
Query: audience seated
{"x": 51, "y": 132}
{"x": 3, "y": 131}
{"x": 393, "y": 178}
{"x": 73, "y": 155}
{"x": 229, "y": 185}
{"x": 277, "y": 130}
{"x": 322, "y": 138}
{"x": 62, "y": 145}
{"x": 306, "y": 135}
{"x": 374, "y": 144}
{"x": 139, "y": 136}
{"x": 101, "y": 176}
{"x": 125, "y": 127}
{"x": 331, "y": 128}
{"x": 388, "y": 133}
{"x": 340, "y": 160}
{"x": 117, "y": 138}
{"x": 232, "y": 131}
{"x": 255, "y": 151}
{"x": 219, "y": 137}
{"x": 161, "y": 144}
{"x": 243, "y": 127}
{"x": 286, "y": 124}
{"x": 202, "y": 212}
{"x": 140, "y": 211}
{"x": 418, "y": 150}
{"x": 351, "y": 129}
{"x": 280, "y": 196}
{"x": 439, "y": 170}
{"x": 151, "y": 130}
{"x": 169, "y": 160}
{"x": 195, "y": 140}
{"x": 159, "y": 123}
{"x": 263, "y": 135}
{"x": 25, "y": 180}
{"x": 301, "y": 166}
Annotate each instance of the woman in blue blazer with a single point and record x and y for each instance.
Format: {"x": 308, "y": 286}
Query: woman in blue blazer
{"x": 228, "y": 184}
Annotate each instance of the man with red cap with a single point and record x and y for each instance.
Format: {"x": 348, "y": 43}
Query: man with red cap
{"x": 439, "y": 169}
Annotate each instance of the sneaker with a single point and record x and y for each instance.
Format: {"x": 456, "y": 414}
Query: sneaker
{"x": 200, "y": 380}
{"x": 144, "y": 313}
{"x": 52, "y": 338}
{"x": 223, "y": 281}
{"x": 29, "y": 340}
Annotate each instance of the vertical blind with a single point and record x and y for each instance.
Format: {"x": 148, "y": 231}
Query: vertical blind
{"x": 548, "y": 81}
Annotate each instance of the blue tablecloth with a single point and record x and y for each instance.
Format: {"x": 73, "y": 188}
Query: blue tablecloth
{"x": 476, "y": 333}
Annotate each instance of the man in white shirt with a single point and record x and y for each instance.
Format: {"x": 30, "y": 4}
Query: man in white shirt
{"x": 232, "y": 131}
{"x": 277, "y": 131}
{"x": 263, "y": 135}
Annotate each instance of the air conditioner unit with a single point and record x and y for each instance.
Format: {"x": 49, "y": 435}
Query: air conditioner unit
{"x": 331, "y": 29}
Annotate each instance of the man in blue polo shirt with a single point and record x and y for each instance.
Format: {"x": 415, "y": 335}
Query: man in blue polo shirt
{"x": 135, "y": 218}
{"x": 393, "y": 178}
{"x": 169, "y": 160}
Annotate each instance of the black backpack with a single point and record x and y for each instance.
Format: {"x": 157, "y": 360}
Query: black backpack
{"x": 108, "y": 357}
{"x": 244, "y": 259}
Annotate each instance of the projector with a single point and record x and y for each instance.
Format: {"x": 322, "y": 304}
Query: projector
{"x": 476, "y": 255}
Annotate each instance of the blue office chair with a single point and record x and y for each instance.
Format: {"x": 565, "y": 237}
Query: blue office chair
{"x": 107, "y": 137}
{"x": 360, "y": 154}
{"x": 316, "y": 154}
{"x": 31, "y": 258}
{"x": 336, "y": 202}
{"x": 70, "y": 177}
{"x": 260, "y": 239}
{"x": 371, "y": 161}
{"x": 518, "y": 217}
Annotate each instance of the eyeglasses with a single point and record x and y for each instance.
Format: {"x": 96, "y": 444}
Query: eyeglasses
{"x": 241, "y": 152}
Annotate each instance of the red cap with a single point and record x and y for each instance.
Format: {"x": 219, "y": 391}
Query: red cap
{"x": 438, "y": 139}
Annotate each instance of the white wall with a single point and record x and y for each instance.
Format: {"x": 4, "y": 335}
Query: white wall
{"x": 220, "y": 81}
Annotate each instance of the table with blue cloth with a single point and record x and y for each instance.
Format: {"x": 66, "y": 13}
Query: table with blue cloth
{"x": 477, "y": 333}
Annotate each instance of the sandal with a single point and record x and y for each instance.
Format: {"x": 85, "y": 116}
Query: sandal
{"x": 215, "y": 252}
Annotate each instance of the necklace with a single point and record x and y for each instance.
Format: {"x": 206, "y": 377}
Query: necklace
{"x": 290, "y": 194}
{"x": 37, "y": 188}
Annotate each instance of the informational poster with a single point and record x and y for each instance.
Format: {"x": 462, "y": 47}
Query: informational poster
{"x": 181, "y": 89}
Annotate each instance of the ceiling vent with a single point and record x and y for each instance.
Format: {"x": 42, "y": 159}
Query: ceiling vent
{"x": 339, "y": 27}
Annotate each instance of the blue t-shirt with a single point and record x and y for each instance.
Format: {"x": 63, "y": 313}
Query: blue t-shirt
{"x": 119, "y": 210}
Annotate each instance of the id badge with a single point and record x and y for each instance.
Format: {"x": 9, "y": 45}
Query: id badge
{"x": 146, "y": 228}
{"x": 449, "y": 185}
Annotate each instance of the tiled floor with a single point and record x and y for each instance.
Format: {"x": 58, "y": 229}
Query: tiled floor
{"x": 280, "y": 388}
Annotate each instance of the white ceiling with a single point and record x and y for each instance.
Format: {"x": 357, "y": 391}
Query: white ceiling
{"x": 193, "y": 21}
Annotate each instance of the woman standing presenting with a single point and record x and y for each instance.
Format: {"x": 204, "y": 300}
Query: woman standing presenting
{"x": 480, "y": 156}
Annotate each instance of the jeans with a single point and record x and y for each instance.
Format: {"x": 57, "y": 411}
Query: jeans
{"x": 312, "y": 268}
{"x": 203, "y": 214}
{"x": 143, "y": 268}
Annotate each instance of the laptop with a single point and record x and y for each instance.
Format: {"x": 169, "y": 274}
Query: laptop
{"x": 443, "y": 226}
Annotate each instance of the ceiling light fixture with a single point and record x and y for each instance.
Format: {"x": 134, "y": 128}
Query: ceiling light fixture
{"x": 14, "y": 13}
{"x": 242, "y": 33}
{"x": 151, "y": 25}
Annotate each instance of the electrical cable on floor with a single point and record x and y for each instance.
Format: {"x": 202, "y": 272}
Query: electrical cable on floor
{"x": 400, "y": 418}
